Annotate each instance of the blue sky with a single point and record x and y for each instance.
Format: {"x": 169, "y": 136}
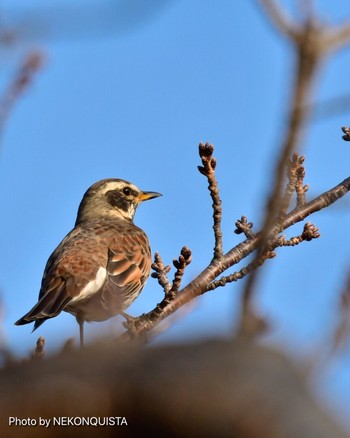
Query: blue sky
{"x": 133, "y": 102}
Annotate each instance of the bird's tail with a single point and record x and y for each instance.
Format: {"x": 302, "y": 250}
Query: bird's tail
{"x": 29, "y": 317}
{"x": 48, "y": 306}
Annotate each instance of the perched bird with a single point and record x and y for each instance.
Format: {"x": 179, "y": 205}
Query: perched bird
{"x": 101, "y": 266}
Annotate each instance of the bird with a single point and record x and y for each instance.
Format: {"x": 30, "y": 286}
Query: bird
{"x": 101, "y": 266}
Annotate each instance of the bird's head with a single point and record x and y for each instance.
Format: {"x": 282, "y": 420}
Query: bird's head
{"x": 112, "y": 198}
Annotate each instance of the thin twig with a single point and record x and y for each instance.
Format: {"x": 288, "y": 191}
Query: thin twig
{"x": 31, "y": 64}
{"x": 180, "y": 264}
{"x": 243, "y": 226}
{"x": 279, "y": 17}
{"x": 160, "y": 273}
{"x": 208, "y": 169}
{"x": 170, "y": 289}
{"x": 342, "y": 329}
{"x": 309, "y": 232}
{"x": 256, "y": 263}
{"x": 39, "y": 351}
{"x": 339, "y": 335}
{"x": 335, "y": 39}
{"x": 300, "y": 188}
{"x": 295, "y": 175}
{"x": 307, "y": 67}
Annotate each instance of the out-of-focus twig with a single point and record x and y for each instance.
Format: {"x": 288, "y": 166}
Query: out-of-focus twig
{"x": 239, "y": 389}
{"x": 39, "y": 351}
{"x": 312, "y": 41}
{"x": 28, "y": 68}
{"x": 295, "y": 175}
{"x": 338, "y": 336}
{"x": 280, "y": 18}
{"x": 5, "y": 354}
{"x": 68, "y": 346}
{"x": 342, "y": 329}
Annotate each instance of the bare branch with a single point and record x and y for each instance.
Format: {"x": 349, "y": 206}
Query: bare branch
{"x": 310, "y": 232}
{"x": 256, "y": 263}
{"x": 295, "y": 174}
{"x": 209, "y": 164}
{"x": 180, "y": 264}
{"x": 339, "y": 334}
{"x": 279, "y": 18}
{"x": 202, "y": 283}
{"x": 218, "y": 385}
{"x": 342, "y": 330}
{"x": 32, "y": 63}
{"x": 161, "y": 272}
{"x": 312, "y": 42}
{"x": 243, "y": 226}
{"x": 337, "y": 38}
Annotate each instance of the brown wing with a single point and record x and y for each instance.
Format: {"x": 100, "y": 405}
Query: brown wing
{"x": 69, "y": 269}
{"x": 128, "y": 267}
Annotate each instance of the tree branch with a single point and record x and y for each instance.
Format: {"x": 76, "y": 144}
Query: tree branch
{"x": 208, "y": 170}
{"x": 312, "y": 41}
{"x": 279, "y": 18}
{"x": 31, "y": 64}
{"x": 205, "y": 281}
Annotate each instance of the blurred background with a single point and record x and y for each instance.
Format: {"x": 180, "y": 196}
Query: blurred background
{"x": 127, "y": 89}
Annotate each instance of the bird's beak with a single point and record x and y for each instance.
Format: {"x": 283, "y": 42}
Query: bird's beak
{"x": 144, "y": 196}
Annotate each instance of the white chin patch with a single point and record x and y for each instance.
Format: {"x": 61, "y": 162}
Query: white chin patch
{"x": 93, "y": 286}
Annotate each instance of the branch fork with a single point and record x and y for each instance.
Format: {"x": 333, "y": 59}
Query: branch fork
{"x": 212, "y": 276}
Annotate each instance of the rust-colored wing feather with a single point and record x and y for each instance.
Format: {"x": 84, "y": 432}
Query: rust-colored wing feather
{"x": 128, "y": 267}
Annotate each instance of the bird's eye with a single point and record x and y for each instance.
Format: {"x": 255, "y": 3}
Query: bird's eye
{"x": 127, "y": 191}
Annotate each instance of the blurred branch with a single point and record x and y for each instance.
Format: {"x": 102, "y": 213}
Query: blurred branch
{"x": 5, "y": 355}
{"x": 312, "y": 41}
{"x": 335, "y": 39}
{"x": 39, "y": 351}
{"x": 342, "y": 329}
{"x": 280, "y": 18}
{"x": 236, "y": 388}
{"x": 29, "y": 67}
{"x": 339, "y": 333}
